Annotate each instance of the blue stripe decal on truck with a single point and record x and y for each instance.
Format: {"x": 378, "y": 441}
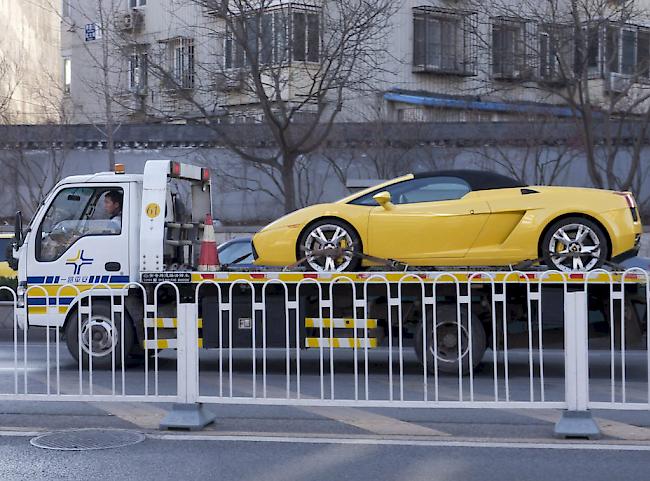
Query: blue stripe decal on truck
{"x": 40, "y": 301}
{"x": 78, "y": 280}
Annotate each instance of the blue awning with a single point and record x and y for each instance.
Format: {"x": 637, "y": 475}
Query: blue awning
{"x": 462, "y": 104}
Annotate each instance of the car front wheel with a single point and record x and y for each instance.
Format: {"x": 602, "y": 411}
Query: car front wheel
{"x": 329, "y": 246}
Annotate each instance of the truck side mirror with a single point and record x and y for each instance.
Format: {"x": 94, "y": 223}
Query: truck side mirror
{"x": 383, "y": 199}
{"x": 18, "y": 229}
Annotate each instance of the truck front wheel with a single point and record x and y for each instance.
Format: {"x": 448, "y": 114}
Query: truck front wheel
{"x": 450, "y": 348}
{"x": 101, "y": 336}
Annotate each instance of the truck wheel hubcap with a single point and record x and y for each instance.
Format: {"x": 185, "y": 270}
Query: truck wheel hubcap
{"x": 100, "y": 334}
{"x": 447, "y": 342}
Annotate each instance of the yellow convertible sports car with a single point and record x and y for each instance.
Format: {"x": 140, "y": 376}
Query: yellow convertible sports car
{"x": 457, "y": 218}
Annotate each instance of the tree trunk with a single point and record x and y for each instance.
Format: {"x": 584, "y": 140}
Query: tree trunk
{"x": 289, "y": 182}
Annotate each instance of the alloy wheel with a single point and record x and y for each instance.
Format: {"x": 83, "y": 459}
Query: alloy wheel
{"x": 575, "y": 247}
{"x": 328, "y": 248}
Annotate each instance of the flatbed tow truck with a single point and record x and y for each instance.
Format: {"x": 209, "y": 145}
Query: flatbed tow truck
{"x": 107, "y": 258}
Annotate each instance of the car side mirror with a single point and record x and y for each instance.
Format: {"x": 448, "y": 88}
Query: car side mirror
{"x": 383, "y": 199}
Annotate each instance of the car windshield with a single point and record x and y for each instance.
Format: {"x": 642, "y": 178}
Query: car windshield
{"x": 425, "y": 189}
{"x": 234, "y": 251}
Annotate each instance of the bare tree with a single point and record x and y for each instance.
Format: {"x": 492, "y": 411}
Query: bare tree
{"x": 588, "y": 55}
{"x": 98, "y": 27}
{"x": 32, "y": 176}
{"x": 10, "y": 78}
{"x": 536, "y": 160}
{"x": 292, "y": 67}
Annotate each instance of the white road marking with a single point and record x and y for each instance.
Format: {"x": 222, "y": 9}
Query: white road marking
{"x": 372, "y": 422}
{"x": 144, "y": 415}
{"x": 357, "y": 417}
{"x": 403, "y": 442}
{"x": 616, "y": 429}
{"x": 27, "y": 434}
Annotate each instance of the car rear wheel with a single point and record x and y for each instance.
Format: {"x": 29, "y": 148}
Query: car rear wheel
{"x": 328, "y": 246}
{"x": 574, "y": 244}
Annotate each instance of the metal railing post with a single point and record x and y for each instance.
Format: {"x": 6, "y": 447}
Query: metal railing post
{"x": 576, "y": 420}
{"x": 188, "y": 413}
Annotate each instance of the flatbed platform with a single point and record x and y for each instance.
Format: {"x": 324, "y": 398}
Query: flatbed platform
{"x": 634, "y": 276}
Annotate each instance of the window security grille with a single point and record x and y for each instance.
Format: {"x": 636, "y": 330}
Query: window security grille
{"x": 287, "y": 34}
{"x": 556, "y": 52}
{"x": 137, "y": 70}
{"x": 444, "y": 41}
{"x": 627, "y": 50}
{"x": 181, "y": 63}
{"x": 513, "y": 56}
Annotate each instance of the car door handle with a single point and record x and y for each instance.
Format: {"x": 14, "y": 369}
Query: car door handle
{"x": 112, "y": 266}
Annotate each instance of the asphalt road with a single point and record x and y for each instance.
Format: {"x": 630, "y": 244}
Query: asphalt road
{"x": 165, "y": 459}
{"x": 283, "y": 442}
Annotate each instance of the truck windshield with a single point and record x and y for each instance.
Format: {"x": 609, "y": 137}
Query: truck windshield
{"x": 78, "y": 212}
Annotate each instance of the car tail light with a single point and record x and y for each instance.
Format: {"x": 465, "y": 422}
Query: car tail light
{"x": 176, "y": 169}
{"x": 629, "y": 198}
{"x": 205, "y": 174}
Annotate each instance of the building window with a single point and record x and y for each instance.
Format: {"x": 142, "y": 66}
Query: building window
{"x": 643, "y": 53}
{"x": 306, "y": 37}
{"x": 443, "y": 41}
{"x": 556, "y": 52}
{"x": 181, "y": 63}
{"x": 627, "y": 49}
{"x": 290, "y": 33}
{"x": 511, "y": 53}
{"x": 137, "y": 3}
{"x": 137, "y": 70}
{"x": 65, "y": 8}
{"x": 620, "y": 49}
{"x": 67, "y": 74}
{"x": 593, "y": 43}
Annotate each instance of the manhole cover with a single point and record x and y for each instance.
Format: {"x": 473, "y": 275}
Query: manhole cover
{"x": 87, "y": 439}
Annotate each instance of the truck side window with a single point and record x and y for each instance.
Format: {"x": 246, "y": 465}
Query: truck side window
{"x": 78, "y": 212}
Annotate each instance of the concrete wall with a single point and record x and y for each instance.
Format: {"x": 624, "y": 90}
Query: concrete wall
{"x": 245, "y": 196}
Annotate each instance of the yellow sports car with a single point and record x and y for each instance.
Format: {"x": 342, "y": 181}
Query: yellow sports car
{"x": 457, "y": 218}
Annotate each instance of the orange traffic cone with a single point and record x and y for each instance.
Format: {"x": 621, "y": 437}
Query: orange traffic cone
{"x": 208, "y": 257}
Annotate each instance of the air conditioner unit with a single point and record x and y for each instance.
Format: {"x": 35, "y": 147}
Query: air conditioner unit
{"x": 230, "y": 82}
{"x": 618, "y": 83}
{"x": 131, "y": 21}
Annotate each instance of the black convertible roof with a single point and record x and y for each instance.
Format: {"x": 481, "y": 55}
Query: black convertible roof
{"x": 477, "y": 179}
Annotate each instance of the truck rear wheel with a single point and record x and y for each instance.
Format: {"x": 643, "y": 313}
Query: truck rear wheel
{"x": 100, "y": 336}
{"x": 448, "y": 350}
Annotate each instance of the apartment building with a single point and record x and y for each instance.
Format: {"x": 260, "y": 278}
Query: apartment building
{"x": 30, "y": 66}
{"x": 445, "y": 60}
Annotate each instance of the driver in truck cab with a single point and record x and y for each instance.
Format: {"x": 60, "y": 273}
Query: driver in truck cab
{"x": 113, "y": 207}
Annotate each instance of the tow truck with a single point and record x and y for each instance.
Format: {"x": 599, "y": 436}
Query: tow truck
{"x": 107, "y": 258}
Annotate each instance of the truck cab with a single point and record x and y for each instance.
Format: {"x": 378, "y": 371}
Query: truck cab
{"x": 101, "y": 231}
